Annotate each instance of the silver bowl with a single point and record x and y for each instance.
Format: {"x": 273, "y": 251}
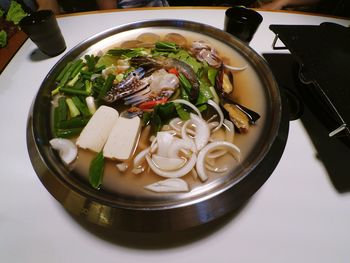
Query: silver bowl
{"x": 139, "y": 212}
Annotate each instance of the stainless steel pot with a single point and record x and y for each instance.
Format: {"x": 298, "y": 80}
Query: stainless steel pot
{"x": 173, "y": 212}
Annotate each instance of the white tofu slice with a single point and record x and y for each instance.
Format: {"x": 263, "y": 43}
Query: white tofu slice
{"x": 95, "y": 134}
{"x": 122, "y": 139}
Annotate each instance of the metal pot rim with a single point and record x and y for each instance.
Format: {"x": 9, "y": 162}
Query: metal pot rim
{"x": 84, "y": 202}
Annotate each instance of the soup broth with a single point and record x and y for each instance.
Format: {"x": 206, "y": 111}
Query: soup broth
{"x": 248, "y": 91}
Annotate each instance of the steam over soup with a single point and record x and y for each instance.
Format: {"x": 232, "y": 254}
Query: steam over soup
{"x": 159, "y": 113}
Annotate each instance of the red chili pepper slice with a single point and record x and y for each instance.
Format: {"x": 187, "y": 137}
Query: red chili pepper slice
{"x": 173, "y": 71}
{"x": 151, "y": 104}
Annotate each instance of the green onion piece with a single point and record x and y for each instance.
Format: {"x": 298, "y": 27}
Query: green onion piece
{"x": 68, "y": 74}
{"x": 88, "y": 86}
{"x": 73, "y": 81}
{"x": 73, "y": 110}
{"x": 77, "y": 122}
{"x": 63, "y": 109}
{"x": 106, "y": 87}
{"x": 90, "y": 61}
{"x": 202, "y": 107}
{"x": 60, "y": 112}
{"x": 68, "y": 133}
{"x": 72, "y": 91}
{"x": 78, "y": 68}
{"x": 86, "y": 74}
{"x": 64, "y": 71}
{"x": 80, "y": 85}
{"x": 96, "y": 170}
{"x": 99, "y": 69}
{"x": 81, "y": 106}
{"x": 56, "y": 91}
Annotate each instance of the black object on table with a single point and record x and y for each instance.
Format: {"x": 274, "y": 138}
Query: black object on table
{"x": 318, "y": 72}
{"x": 323, "y": 54}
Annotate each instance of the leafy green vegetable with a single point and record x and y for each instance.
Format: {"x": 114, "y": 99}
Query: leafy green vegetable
{"x": 166, "y": 111}
{"x": 212, "y": 72}
{"x": 15, "y": 13}
{"x": 127, "y": 52}
{"x": 106, "y": 60}
{"x": 163, "y": 46}
{"x": 2, "y": 12}
{"x": 96, "y": 170}
{"x": 184, "y": 94}
{"x": 216, "y": 98}
{"x": 3, "y": 38}
{"x": 184, "y": 56}
{"x": 183, "y": 114}
{"x": 184, "y": 83}
{"x": 161, "y": 115}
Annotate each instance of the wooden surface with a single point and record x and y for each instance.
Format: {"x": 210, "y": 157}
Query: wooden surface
{"x": 14, "y": 43}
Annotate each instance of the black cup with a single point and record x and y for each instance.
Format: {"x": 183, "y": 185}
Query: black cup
{"x": 242, "y": 22}
{"x": 42, "y": 28}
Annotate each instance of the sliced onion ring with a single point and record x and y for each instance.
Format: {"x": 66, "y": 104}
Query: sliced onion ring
{"x": 173, "y": 174}
{"x": 176, "y": 124}
{"x": 221, "y": 114}
{"x": 235, "y": 68}
{"x": 230, "y": 131}
{"x": 169, "y": 186}
{"x": 200, "y": 165}
{"x": 216, "y": 153}
{"x": 164, "y": 140}
{"x": 202, "y": 131}
{"x": 166, "y": 163}
{"x": 213, "y": 124}
{"x": 216, "y": 169}
{"x": 186, "y": 138}
{"x": 140, "y": 157}
{"x": 229, "y": 137}
{"x": 179, "y": 145}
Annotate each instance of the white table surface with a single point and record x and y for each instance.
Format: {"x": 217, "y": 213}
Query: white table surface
{"x": 297, "y": 216}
